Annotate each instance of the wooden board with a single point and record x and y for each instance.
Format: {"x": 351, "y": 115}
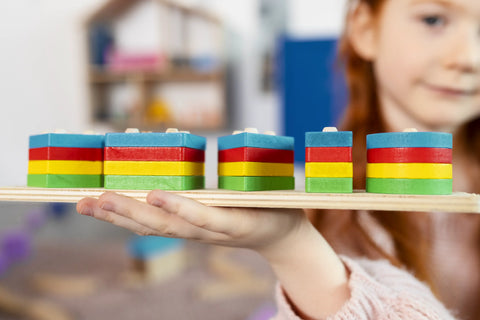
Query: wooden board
{"x": 360, "y": 200}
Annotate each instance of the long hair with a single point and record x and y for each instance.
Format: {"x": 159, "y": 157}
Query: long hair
{"x": 363, "y": 116}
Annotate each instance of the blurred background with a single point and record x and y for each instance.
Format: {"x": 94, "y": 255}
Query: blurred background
{"x": 207, "y": 66}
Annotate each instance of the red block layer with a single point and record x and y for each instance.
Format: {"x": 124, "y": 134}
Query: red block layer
{"x": 256, "y": 155}
{"x": 154, "y": 154}
{"x": 60, "y": 153}
{"x": 409, "y": 155}
{"x": 328, "y": 154}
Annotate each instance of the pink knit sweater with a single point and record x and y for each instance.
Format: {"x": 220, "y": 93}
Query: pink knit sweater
{"x": 378, "y": 291}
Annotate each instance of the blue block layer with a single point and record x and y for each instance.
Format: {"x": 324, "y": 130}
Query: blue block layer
{"x": 67, "y": 140}
{"x": 255, "y": 140}
{"x": 144, "y": 247}
{"x": 409, "y": 140}
{"x": 155, "y": 139}
{"x": 328, "y": 139}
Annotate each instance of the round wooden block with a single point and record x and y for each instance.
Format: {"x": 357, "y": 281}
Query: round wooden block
{"x": 410, "y": 186}
{"x": 409, "y": 140}
{"x": 409, "y": 170}
{"x": 409, "y": 155}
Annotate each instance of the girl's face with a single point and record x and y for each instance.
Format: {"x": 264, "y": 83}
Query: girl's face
{"x": 426, "y": 58}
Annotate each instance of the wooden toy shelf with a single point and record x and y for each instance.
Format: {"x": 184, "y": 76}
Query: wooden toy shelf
{"x": 177, "y": 30}
{"x": 359, "y": 200}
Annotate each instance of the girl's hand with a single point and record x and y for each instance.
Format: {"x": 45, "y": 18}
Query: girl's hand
{"x": 309, "y": 270}
{"x": 169, "y": 215}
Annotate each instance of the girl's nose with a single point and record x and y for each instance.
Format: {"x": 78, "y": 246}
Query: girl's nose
{"x": 464, "y": 52}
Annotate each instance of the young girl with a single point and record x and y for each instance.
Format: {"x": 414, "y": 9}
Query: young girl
{"x": 409, "y": 63}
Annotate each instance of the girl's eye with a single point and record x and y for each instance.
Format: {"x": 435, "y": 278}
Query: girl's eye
{"x": 434, "y": 21}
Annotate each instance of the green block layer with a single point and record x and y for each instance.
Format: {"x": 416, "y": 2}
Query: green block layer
{"x": 256, "y": 183}
{"x": 154, "y": 182}
{"x": 65, "y": 181}
{"x": 329, "y": 185}
{"x": 410, "y": 186}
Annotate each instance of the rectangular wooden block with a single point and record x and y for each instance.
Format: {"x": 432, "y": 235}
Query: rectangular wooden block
{"x": 61, "y": 153}
{"x": 66, "y": 140}
{"x": 457, "y": 202}
{"x": 155, "y": 139}
{"x": 255, "y": 169}
{"x": 328, "y": 154}
{"x": 154, "y": 154}
{"x": 64, "y": 167}
{"x": 329, "y": 185}
{"x": 328, "y": 169}
{"x": 154, "y": 182}
{"x": 250, "y": 154}
{"x": 64, "y": 181}
{"x": 256, "y": 183}
{"x": 328, "y": 139}
{"x": 255, "y": 140}
{"x": 154, "y": 168}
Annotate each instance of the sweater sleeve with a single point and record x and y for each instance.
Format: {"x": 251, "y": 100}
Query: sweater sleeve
{"x": 378, "y": 291}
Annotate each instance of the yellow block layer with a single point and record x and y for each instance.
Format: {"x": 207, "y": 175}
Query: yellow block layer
{"x": 154, "y": 168}
{"x": 328, "y": 170}
{"x": 64, "y": 167}
{"x": 255, "y": 169}
{"x": 409, "y": 170}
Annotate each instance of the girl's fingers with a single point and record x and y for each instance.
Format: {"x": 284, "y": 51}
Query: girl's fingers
{"x": 147, "y": 215}
{"x": 162, "y": 223}
{"x": 90, "y": 207}
{"x": 210, "y": 218}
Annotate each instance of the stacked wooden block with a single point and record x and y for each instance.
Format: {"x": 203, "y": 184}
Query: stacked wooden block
{"x": 409, "y": 163}
{"x": 328, "y": 161}
{"x": 146, "y": 161}
{"x": 62, "y": 160}
{"x": 249, "y": 161}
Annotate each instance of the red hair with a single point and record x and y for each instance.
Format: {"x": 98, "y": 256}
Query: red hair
{"x": 363, "y": 116}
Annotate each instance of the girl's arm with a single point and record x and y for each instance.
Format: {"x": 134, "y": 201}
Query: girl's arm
{"x": 314, "y": 279}
{"x": 312, "y": 275}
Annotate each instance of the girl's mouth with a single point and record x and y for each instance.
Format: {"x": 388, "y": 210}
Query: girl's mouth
{"x": 452, "y": 91}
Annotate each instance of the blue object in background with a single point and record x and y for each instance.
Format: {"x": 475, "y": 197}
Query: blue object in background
{"x": 145, "y": 247}
{"x": 311, "y": 86}
{"x": 59, "y": 210}
{"x": 101, "y": 40}
{"x": 205, "y": 63}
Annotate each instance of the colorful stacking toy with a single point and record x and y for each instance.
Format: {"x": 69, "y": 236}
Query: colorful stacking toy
{"x": 409, "y": 163}
{"x": 328, "y": 161}
{"x": 249, "y": 161}
{"x": 63, "y": 160}
{"x": 145, "y": 161}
